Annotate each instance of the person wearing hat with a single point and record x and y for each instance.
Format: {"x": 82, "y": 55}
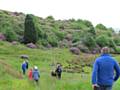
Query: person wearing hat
{"x": 36, "y": 74}
{"x": 103, "y": 76}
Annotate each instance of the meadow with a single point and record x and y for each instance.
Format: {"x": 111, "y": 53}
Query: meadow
{"x": 12, "y": 79}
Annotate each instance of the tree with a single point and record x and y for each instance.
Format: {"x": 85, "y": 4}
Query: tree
{"x": 30, "y": 33}
{"x": 101, "y": 27}
{"x": 90, "y": 27}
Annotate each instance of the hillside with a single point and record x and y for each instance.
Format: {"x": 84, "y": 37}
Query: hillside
{"x": 46, "y": 60}
{"x": 61, "y": 33}
{"x": 12, "y": 79}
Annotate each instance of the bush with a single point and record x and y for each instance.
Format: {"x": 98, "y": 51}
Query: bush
{"x": 89, "y": 41}
{"x": 117, "y": 40}
{"x": 76, "y": 37}
{"x": 117, "y": 50}
{"x": 103, "y": 40}
{"x": 53, "y": 40}
{"x": 101, "y": 27}
{"x": 50, "y": 18}
{"x": 43, "y": 42}
{"x": 10, "y": 35}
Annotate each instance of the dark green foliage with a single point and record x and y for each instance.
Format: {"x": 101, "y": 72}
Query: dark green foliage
{"x": 53, "y": 40}
{"x": 10, "y": 35}
{"x": 101, "y": 27}
{"x": 117, "y": 40}
{"x": 30, "y": 33}
{"x": 76, "y": 37}
{"x": 89, "y": 41}
{"x": 90, "y": 27}
{"x": 103, "y": 40}
{"x": 50, "y": 18}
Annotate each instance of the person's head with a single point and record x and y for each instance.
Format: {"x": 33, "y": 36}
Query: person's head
{"x": 35, "y": 67}
{"x": 23, "y": 62}
{"x": 31, "y": 69}
{"x": 26, "y": 60}
{"x": 105, "y": 50}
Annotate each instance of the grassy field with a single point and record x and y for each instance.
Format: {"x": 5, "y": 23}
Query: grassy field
{"x": 10, "y": 68}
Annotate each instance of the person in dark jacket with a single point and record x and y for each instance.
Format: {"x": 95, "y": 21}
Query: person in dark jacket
{"x": 24, "y": 68}
{"x": 36, "y": 74}
{"x": 103, "y": 75}
{"x": 27, "y": 64}
{"x": 59, "y": 71}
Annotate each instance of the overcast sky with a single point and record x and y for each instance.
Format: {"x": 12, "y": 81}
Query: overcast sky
{"x": 97, "y": 11}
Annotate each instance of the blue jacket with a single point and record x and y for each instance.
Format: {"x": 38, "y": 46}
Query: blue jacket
{"x": 24, "y": 66}
{"x": 35, "y": 74}
{"x": 103, "y": 70}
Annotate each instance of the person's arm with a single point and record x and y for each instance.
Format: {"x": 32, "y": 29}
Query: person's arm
{"x": 117, "y": 69}
{"x": 94, "y": 73}
{"x": 39, "y": 74}
{"x": 32, "y": 73}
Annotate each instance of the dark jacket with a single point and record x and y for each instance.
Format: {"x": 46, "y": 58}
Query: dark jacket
{"x": 58, "y": 70}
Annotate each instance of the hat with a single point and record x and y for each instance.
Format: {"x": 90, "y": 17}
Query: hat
{"x": 35, "y": 67}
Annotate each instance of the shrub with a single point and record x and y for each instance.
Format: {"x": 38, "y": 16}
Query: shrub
{"x": 76, "y": 37}
{"x": 52, "y": 39}
{"x": 10, "y": 35}
{"x": 117, "y": 40}
{"x": 103, "y": 40}
{"x": 50, "y": 18}
{"x": 101, "y": 27}
{"x": 89, "y": 41}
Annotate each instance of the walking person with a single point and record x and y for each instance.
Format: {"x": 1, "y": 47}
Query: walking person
{"x": 58, "y": 71}
{"x": 103, "y": 76}
{"x": 36, "y": 74}
{"x": 30, "y": 74}
{"x": 27, "y": 64}
{"x": 24, "y": 67}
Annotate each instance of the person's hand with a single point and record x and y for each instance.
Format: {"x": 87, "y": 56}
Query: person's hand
{"x": 94, "y": 85}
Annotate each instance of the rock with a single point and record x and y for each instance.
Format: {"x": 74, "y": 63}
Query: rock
{"x": 31, "y": 45}
{"x": 14, "y": 42}
{"x": 83, "y": 48}
{"x": 68, "y": 37}
{"x": 24, "y": 56}
{"x": 75, "y": 50}
{"x": 2, "y": 37}
{"x": 49, "y": 46}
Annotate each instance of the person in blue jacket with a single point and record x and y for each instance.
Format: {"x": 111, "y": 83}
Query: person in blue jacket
{"x": 24, "y": 67}
{"x": 103, "y": 75}
{"x": 36, "y": 74}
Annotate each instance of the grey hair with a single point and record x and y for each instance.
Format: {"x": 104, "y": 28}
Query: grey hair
{"x": 105, "y": 50}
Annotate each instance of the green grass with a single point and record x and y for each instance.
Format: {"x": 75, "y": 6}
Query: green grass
{"x": 10, "y": 54}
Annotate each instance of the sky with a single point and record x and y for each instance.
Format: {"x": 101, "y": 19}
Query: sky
{"x": 97, "y": 11}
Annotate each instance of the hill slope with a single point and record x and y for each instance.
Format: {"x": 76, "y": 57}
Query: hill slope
{"x": 60, "y": 33}
{"x": 46, "y": 61}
